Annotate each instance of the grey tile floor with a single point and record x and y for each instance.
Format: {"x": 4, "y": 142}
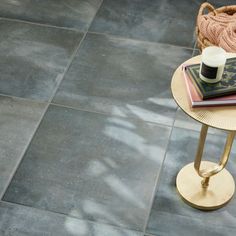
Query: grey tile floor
{"x": 90, "y": 137}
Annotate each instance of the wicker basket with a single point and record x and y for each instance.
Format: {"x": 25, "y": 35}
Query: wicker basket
{"x": 201, "y": 40}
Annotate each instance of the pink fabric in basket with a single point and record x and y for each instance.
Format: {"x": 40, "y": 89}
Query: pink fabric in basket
{"x": 228, "y": 38}
{"x": 219, "y": 29}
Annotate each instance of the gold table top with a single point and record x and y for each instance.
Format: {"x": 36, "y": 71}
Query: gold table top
{"x": 221, "y": 117}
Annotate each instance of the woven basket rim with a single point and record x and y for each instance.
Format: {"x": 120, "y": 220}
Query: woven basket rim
{"x": 226, "y": 8}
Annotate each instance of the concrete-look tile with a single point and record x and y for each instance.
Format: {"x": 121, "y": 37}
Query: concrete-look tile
{"x": 18, "y": 120}
{"x": 164, "y": 21}
{"x": 168, "y": 208}
{"x": 91, "y": 166}
{"x": 17, "y": 220}
{"x": 182, "y": 225}
{"x": 33, "y": 58}
{"x": 123, "y": 77}
{"x": 76, "y": 14}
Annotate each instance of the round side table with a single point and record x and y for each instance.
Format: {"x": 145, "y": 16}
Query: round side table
{"x": 202, "y": 184}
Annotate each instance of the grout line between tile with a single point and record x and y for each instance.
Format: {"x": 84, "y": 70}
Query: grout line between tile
{"x": 95, "y": 16}
{"x": 87, "y": 31}
{"x": 157, "y": 178}
{"x": 85, "y": 110}
{"x": 41, "y": 117}
{"x": 41, "y": 24}
{"x": 195, "y": 45}
{"x": 23, "y": 153}
{"x": 139, "y": 40}
{"x": 107, "y": 114}
{"x": 66, "y": 215}
{"x": 23, "y": 99}
{"x": 50, "y": 25}
{"x": 194, "y": 49}
{"x": 67, "y": 67}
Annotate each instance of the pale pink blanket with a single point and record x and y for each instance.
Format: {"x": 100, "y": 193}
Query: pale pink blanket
{"x": 219, "y": 30}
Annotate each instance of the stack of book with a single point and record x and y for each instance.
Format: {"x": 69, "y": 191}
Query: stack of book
{"x": 206, "y": 94}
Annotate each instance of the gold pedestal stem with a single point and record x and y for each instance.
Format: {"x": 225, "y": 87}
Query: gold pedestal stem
{"x": 206, "y": 174}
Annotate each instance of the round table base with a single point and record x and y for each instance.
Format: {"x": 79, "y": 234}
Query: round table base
{"x": 217, "y": 194}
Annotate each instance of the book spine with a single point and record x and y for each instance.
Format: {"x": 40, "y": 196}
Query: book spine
{"x": 187, "y": 86}
{"x": 220, "y": 94}
{"x": 194, "y": 83}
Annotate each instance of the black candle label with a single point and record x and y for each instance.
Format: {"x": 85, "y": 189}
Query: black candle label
{"x": 208, "y": 71}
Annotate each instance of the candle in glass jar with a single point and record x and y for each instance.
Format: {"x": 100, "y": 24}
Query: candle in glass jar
{"x": 212, "y": 64}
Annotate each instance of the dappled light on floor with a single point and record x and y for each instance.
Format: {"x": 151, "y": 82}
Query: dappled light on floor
{"x": 127, "y": 133}
{"x": 166, "y": 102}
{"x": 148, "y": 115}
{"x": 74, "y": 228}
{"x": 122, "y": 190}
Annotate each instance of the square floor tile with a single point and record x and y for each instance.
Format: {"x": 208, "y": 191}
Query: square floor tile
{"x": 17, "y": 220}
{"x": 91, "y": 166}
{"x": 33, "y": 58}
{"x": 123, "y": 77}
{"x": 165, "y": 21}
{"x": 170, "y": 215}
{"x": 76, "y": 14}
{"x": 182, "y": 225}
{"x": 19, "y": 120}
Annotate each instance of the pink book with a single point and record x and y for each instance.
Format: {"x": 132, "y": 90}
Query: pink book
{"x": 196, "y": 100}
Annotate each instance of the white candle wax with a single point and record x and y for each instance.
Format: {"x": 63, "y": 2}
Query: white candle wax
{"x": 212, "y": 65}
